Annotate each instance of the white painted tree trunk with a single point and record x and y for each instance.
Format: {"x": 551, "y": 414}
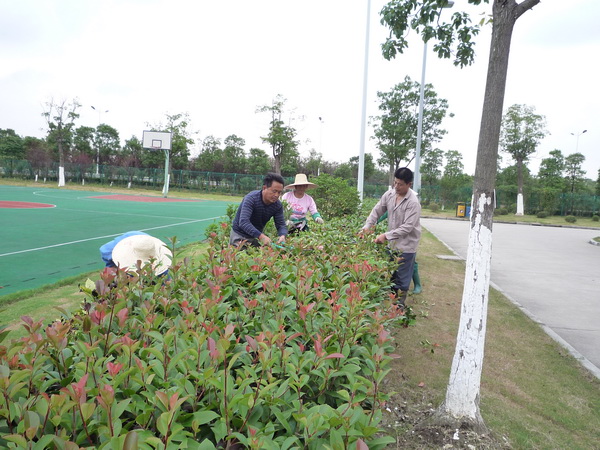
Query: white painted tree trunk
{"x": 61, "y": 176}
{"x": 520, "y": 208}
{"x": 462, "y": 395}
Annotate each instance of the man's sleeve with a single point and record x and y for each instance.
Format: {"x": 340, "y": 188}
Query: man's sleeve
{"x": 247, "y": 207}
{"x": 280, "y": 221}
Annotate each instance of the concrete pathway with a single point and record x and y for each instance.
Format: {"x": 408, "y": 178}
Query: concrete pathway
{"x": 553, "y": 273}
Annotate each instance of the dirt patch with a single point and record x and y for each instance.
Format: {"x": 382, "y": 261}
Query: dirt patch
{"x": 407, "y": 419}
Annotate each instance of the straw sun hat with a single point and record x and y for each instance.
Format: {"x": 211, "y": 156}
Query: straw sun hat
{"x": 301, "y": 180}
{"x": 143, "y": 248}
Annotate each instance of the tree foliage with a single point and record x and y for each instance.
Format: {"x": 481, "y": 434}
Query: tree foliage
{"x": 395, "y": 129}
{"x": 210, "y": 158}
{"x": 452, "y": 39}
{"x": 11, "y": 144}
{"x": 431, "y": 171}
{"x": 573, "y": 171}
{"x": 551, "y": 171}
{"x": 107, "y": 142}
{"x": 281, "y": 137}
{"x": 234, "y": 156}
{"x": 258, "y": 162}
{"x": 60, "y": 117}
{"x": 522, "y": 130}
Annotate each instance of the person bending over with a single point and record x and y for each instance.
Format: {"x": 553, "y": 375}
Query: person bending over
{"x": 126, "y": 250}
{"x": 255, "y": 211}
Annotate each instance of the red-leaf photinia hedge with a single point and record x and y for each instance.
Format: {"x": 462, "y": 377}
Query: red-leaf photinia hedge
{"x": 264, "y": 348}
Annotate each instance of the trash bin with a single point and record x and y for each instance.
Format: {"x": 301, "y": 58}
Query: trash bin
{"x": 469, "y": 211}
{"x": 460, "y": 209}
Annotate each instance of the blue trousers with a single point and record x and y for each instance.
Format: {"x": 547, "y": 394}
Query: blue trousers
{"x": 402, "y": 276}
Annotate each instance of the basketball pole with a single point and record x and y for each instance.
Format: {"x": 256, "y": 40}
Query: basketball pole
{"x": 166, "y": 186}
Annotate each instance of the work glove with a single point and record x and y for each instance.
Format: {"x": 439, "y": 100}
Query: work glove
{"x": 319, "y": 220}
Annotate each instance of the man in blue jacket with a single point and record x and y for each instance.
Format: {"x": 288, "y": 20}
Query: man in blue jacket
{"x": 255, "y": 210}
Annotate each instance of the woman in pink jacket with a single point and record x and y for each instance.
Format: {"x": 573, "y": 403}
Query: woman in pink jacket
{"x": 299, "y": 203}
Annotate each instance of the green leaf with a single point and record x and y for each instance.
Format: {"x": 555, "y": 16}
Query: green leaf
{"x": 158, "y": 354}
{"x": 3, "y": 333}
{"x": 162, "y": 424}
{"x": 87, "y": 409}
{"x": 219, "y": 429}
{"x": 344, "y": 395}
{"x": 203, "y": 417}
{"x": 119, "y": 407}
{"x": 336, "y": 440}
{"x": 206, "y": 445}
{"x": 32, "y": 419}
{"x": 43, "y": 442}
{"x": 282, "y": 419}
{"x": 381, "y": 443}
{"x": 17, "y": 439}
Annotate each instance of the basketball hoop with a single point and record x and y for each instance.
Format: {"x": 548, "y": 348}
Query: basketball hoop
{"x": 158, "y": 140}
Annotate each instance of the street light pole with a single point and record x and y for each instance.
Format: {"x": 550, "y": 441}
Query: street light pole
{"x": 417, "y": 177}
{"x": 577, "y": 141}
{"x": 363, "y": 124}
{"x": 97, "y": 146}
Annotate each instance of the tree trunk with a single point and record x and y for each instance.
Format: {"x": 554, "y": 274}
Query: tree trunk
{"x": 520, "y": 208}
{"x": 277, "y": 159}
{"x": 61, "y": 163}
{"x": 461, "y": 405}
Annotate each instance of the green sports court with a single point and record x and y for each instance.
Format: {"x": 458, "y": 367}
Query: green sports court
{"x": 49, "y": 234}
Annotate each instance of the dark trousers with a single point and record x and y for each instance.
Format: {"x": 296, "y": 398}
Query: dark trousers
{"x": 402, "y": 276}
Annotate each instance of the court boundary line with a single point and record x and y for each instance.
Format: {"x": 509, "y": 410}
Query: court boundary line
{"x": 103, "y": 237}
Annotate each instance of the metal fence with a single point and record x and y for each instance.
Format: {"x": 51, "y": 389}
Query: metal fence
{"x": 554, "y": 202}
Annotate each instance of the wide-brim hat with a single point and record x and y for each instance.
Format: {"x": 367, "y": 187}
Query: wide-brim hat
{"x": 301, "y": 180}
{"x": 142, "y": 248}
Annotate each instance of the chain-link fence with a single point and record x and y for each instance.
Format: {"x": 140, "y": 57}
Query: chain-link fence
{"x": 552, "y": 201}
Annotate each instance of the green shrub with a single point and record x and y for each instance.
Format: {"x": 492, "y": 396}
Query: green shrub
{"x": 334, "y": 197}
{"x": 434, "y": 207}
{"x": 266, "y": 348}
{"x": 500, "y": 212}
{"x": 571, "y": 219}
{"x": 595, "y": 218}
{"x": 542, "y": 214}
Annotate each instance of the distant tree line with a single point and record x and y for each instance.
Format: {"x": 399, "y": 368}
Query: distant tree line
{"x": 88, "y": 148}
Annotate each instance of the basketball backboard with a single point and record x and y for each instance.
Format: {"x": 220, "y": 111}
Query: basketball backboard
{"x": 156, "y": 140}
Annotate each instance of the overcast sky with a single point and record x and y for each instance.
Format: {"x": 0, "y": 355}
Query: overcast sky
{"x": 220, "y": 60}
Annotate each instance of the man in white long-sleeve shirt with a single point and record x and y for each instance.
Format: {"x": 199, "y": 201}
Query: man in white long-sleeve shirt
{"x": 404, "y": 228}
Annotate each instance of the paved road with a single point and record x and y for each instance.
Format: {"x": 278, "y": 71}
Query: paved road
{"x": 552, "y": 272}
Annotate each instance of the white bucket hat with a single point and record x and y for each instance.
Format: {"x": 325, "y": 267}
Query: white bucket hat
{"x": 301, "y": 180}
{"x": 143, "y": 248}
